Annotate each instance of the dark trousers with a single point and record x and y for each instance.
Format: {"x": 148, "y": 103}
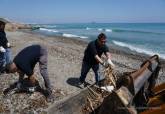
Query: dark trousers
{"x": 2, "y": 61}
{"x": 85, "y": 69}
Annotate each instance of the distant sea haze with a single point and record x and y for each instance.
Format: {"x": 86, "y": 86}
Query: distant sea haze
{"x": 148, "y": 38}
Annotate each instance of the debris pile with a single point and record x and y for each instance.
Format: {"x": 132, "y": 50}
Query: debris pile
{"x": 97, "y": 94}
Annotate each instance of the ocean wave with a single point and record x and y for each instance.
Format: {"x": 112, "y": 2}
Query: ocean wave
{"x": 48, "y": 30}
{"x": 100, "y": 29}
{"x": 124, "y": 30}
{"x": 72, "y": 35}
{"x": 137, "y": 49}
{"x": 105, "y": 30}
{"x": 108, "y": 30}
{"x": 88, "y": 28}
{"x": 135, "y": 31}
{"x": 48, "y": 26}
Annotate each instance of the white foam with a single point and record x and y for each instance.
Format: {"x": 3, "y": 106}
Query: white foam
{"x": 83, "y": 37}
{"x": 88, "y": 28}
{"x": 108, "y": 30}
{"x": 69, "y": 35}
{"x": 50, "y": 26}
{"x": 72, "y": 35}
{"x": 137, "y": 49}
{"x": 100, "y": 29}
{"x": 49, "y": 30}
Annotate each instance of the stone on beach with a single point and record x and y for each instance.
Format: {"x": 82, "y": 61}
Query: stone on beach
{"x": 64, "y": 64}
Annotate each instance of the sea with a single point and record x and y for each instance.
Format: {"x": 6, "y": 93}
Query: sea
{"x": 147, "y": 38}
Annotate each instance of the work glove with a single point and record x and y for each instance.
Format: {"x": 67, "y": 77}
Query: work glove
{"x": 110, "y": 63}
{"x": 2, "y": 49}
{"x": 8, "y": 45}
{"x": 105, "y": 64}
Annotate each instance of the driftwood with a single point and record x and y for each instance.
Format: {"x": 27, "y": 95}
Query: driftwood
{"x": 94, "y": 100}
{"x": 87, "y": 100}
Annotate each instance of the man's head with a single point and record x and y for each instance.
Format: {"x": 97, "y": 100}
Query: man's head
{"x": 2, "y": 26}
{"x": 11, "y": 68}
{"x": 3, "y": 22}
{"x": 102, "y": 39}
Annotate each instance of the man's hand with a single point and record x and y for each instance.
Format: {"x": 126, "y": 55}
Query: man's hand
{"x": 105, "y": 64}
{"x": 8, "y": 45}
{"x": 2, "y": 49}
{"x": 110, "y": 63}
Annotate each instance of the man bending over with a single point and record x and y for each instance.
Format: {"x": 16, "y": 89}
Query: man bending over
{"x": 25, "y": 61}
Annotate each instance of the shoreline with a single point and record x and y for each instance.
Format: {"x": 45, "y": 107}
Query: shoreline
{"x": 64, "y": 65}
{"x": 122, "y": 57}
{"x": 113, "y": 48}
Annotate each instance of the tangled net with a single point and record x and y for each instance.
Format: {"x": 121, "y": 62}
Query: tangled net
{"x": 110, "y": 77}
{"x": 96, "y": 94}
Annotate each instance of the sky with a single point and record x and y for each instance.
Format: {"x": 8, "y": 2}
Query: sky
{"x": 83, "y": 11}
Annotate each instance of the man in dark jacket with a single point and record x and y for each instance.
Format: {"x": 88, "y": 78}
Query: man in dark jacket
{"x": 92, "y": 57}
{"x": 25, "y": 61}
{"x": 5, "y": 52}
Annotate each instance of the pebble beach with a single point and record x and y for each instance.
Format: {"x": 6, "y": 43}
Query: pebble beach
{"x": 64, "y": 65}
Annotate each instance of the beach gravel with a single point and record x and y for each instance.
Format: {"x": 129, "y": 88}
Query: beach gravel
{"x": 64, "y": 65}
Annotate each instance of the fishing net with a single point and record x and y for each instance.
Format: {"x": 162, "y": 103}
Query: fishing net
{"x": 96, "y": 94}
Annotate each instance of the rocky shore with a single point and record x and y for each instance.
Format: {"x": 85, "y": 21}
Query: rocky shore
{"x": 64, "y": 65}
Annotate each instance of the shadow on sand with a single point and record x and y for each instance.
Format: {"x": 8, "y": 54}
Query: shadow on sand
{"x": 73, "y": 81}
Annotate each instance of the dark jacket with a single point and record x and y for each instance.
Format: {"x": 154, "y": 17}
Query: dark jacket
{"x": 3, "y": 39}
{"x": 92, "y": 50}
{"x": 27, "y": 58}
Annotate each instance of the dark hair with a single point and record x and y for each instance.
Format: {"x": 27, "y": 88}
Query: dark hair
{"x": 2, "y": 23}
{"x": 102, "y": 35}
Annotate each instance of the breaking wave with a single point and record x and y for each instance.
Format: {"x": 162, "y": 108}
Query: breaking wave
{"x": 48, "y": 30}
{"x": 108, "y": 30}
{"x": 137, "y": 49}
{"x": 125, "y": 30}
{"x": 105, "y": 30}
{"x": 135, "y": 31}
{"x": 72, "y": 35}
{"x": 88, "y": 28}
